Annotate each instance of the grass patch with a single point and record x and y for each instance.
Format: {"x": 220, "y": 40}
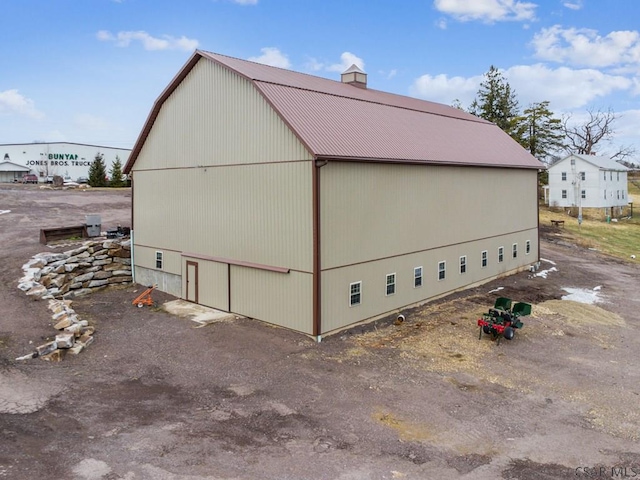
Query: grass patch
{"x": 620, "y": 239}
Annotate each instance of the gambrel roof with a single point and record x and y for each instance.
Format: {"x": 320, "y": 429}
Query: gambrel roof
{"x": 338, "y": 121}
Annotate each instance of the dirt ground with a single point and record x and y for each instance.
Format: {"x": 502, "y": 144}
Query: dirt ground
{"x": 156, "y": 398}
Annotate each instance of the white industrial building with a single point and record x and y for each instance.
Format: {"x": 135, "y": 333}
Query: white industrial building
{"x": 68, "y": 160}
{"x": 588, "y": 181}
{"x": 316, "y": 204}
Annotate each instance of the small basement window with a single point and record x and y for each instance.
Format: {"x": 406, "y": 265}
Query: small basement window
{"x": 417, "y": 277}
{"x": 159, "y": 260}
{"x": 355, "y": 293}
{"x": 441, "y": 270}
{"x": 391, "y": 283}
{"x": 463, "y": 264}
{"x": 485, "y": 256}
{"x": 500, "y": 254}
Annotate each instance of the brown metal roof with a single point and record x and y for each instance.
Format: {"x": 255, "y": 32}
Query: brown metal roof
{"x": 339, "y": 121}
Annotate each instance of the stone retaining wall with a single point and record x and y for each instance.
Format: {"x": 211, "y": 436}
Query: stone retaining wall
{"x": 59, "y": 277}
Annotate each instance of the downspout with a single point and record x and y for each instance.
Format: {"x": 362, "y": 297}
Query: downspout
{"x": 133, "y": 264}
{"x": 538, "y": 204}
{"x": 317, "y": 284}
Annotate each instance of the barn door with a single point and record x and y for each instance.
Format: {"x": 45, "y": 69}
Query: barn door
{"x": 192, "y": 281}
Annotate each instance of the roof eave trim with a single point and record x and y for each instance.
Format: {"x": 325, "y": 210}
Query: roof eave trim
{"x": 404, "y": 161}
{"x": 153, "y": 114}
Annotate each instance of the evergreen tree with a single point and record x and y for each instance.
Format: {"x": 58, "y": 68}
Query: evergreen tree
{"x": 541, "y": 133}
{"x": 497, "y": 102}
{"x": 116, "y": 173}
{"x": 98, "y": 172}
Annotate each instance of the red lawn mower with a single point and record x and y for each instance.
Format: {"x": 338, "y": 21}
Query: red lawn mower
{"x": 503, "y": 319}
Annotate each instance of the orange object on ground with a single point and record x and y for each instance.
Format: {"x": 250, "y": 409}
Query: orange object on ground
{"x": 144, "y": 298}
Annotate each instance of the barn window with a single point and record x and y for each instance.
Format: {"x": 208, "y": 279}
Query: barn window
{"x": 564, "y": 194}
{"x": 564, "y": 176}
{"x": 441, "y": 270}
{"x": 463, "y": 264}
{"x": 584, "y": 194}
{"x": 515, "y": 250}
{"x": 500, "y": 254}
{"x": 159, "y": 260}
{"x": 485, "y": 256}
{"x": 417, "y": 277}
{"x": 355, "y": 293}
{"x": 527, "y": 247}
{"x": 391, "y": 283}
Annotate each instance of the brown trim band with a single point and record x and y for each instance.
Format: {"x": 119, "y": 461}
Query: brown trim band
{"x": 239, "y": 263}
{"x": 403, "y": 161}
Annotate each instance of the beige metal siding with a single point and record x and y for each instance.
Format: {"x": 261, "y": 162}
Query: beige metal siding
{"x": 337, "y": 313}
{"x": 377, "y": 211}
{"x": 284, "y": 299}
{"x": 216, "y": 117}
{"x": 254, "y": 213}
{"x": 213, "y": 283}
{"x": 146, "y": 257}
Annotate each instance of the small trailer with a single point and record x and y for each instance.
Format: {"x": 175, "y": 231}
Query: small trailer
{"x": 503, "y": 319}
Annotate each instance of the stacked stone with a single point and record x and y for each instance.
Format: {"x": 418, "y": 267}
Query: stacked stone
{"x": 93, "y": 266}
{"x": 59, "y": 277}
{"x": 75, "y": 334}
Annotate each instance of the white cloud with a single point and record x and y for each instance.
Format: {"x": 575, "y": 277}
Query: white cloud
{"x": 575, "y": 5}
{"x": 272, "y": 56}
{"x": 12, "y": 101}
{"x": 441, "y": 23}
{"x": 444, "y": 89}
{"x": 346, "y": 60}
{"x": 246, "y": 2}
{"x": 166, "y": 42}
{"x": 487, "y": 10}
{"x": 91, "y": 122}
{"x": 313, "y": 65}
{"x": 586, "y": 47}
{"x": 565, "y": 88}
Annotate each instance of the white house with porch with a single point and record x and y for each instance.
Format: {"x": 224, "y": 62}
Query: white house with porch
{"x": 588, "y": 181}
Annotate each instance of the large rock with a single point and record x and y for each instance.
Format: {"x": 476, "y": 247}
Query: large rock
{"x": 79, "y": 293}
{"x": 84, "y": 277}
{"x": 37, "y": 291}
{"x": 106, "y": 261}
{"x": 123, "y": 260}
{"x": 119, "y": 252}
{"x": 98, "y": 283}
{"x": 103, "y": 274}
{"x": 75, "y": 286}
{"x": 65, "y": 340}
{"x": 34, "y": 263}
{"x": 51, "y": 257}
{"x": 58, "y": 281}
{"x": 114, "y": 280}
{"x": 60, "y": 268}
{"x": 46, "y": 348}
{"x": 70, "y": 267}
{"x": 63, "y": 323}
{"x": 117, "y": 273}
{"x": 55, "y": 356}
{"x": 27, "y": 285}
{"x": 78, "y": 251}
{"x": 110, "y": 244}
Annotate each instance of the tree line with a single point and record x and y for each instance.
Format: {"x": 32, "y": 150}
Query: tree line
{"x": 98, "y": 173}
{"x": 537, "y": 128}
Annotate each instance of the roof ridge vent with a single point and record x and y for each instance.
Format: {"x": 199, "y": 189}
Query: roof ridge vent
{"x": 354, "y": 76}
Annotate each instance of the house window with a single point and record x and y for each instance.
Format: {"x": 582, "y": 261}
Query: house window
{"x": 573, "y": 161}
{"x": 605, "y": 194}
{"x": 623, "y": 194}
{"x": 605, "y": 175}
{"x": 618, "y": 194}
{"x": 583, "y": 176}
{"x": 417, "y": 277}
{"x": 564, "y": 176}
{"x": 584, "y": 194}
{"x": 355, "y": 293}
{"x": 159, "y": 260}
{"x": 618, "y": 175}
{"x": 515, "y": 250}
{"x": 441, "y": 270}
{"x": 500, "y": 254}
{"x": 564, "y": 194}
{"x": 527, "y": 247}
{"x": 485, "y": 255}
{"x": 610, "y": 175}
{"x": 463, "y": 264}
{"x": 391, "y": 283}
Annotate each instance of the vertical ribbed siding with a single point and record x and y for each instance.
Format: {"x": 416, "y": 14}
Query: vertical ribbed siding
{"x": 215, "y": 117}
{"x": 213, "y": 283}
{"x": 284, "y": 299}
{"x": 253, "y": 213}
{"x": 373, "y": 211}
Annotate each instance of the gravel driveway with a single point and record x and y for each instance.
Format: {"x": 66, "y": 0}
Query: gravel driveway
{"x": 158, "y": 396}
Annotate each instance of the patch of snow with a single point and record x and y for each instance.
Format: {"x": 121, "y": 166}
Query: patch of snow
{"x": 496, "y": 290}
{"x": 548, "y": 261}
{"x": 581, "y": 295}
{"x": 544, "y": 273}
{"x": 599, "y": 287}
{"x": 4, "y": 211}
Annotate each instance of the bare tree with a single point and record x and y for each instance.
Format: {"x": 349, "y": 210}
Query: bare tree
{"x": 583, "y": 138}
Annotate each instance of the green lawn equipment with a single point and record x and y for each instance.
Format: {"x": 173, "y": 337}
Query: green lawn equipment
{"x": 503, "y": 319}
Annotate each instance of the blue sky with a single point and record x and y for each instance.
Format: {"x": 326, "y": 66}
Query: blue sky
{"x": 88, "y": 71}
